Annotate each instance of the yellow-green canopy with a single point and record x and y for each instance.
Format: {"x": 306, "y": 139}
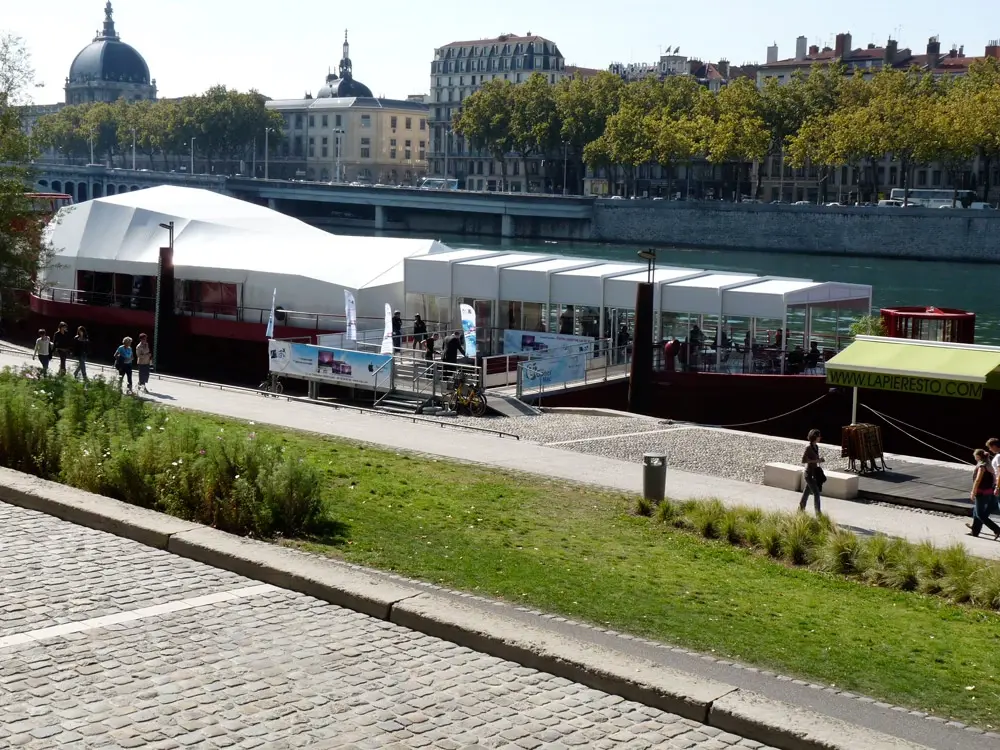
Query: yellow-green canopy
{"x": 921, "y": 367}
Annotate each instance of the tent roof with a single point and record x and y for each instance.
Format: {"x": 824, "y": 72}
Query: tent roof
{"x": 910, "y": 358}
{"x": 216, "y": 232}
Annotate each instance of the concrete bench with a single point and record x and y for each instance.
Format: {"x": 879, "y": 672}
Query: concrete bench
{"x": 839, "y": 484}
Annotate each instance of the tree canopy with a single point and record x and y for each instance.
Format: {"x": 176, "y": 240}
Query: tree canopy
{"x": 222, "y": 122}
{"x": 22, "y": 249}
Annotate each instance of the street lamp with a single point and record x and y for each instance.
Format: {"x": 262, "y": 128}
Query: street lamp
{"x": 193, "y": 139}
{"x": 91, "y": 145}
{"x": 133, "y": 149}
{"x": 267, "y": 143}
{"x": 159, "y": 287}
{"x": 565, "y": 164}
{"x": 337, "y": 132}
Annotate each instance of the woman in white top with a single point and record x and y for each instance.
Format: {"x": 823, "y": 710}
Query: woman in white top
{"x": 43, "y": 350}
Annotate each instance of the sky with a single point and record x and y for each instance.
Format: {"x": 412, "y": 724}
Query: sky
{"x": 287, "y": 49}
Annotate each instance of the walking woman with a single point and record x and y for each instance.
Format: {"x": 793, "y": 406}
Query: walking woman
{"x": 982, "y": 496}
{"x": 123, "y": 363}
{"x": 43, "y": 350}
{"x": 143, "y": 358}
{"x": 813, "y": 474}
{"x": 81, "y": 348}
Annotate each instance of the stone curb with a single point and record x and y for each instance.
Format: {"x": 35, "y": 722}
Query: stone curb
{"x": 409, "y": 605}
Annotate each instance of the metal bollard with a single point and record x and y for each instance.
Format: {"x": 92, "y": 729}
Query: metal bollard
{"x": 654, "y": 476}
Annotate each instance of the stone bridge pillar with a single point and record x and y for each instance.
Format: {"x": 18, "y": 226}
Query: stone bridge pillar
{"x": 507, "y": 226}
{"x": 380, "y": 219}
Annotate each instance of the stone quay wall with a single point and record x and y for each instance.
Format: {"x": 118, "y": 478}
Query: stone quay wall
{"x": 919, "y": 233}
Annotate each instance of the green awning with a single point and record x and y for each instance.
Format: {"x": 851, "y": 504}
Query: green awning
{"x": 921, "y": 367}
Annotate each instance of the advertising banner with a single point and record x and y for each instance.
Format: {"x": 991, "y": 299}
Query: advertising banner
{"x": 469, "y": 329}
{"x": 351, "y": 313}
{"x": 329, "y": 365}
{"x": 542, "y": 344}
{"x": 905, "y": 383}
{"x": 387, "y": 332}
{"x": 269, "y": 333}
{"x": 555, "y": 357}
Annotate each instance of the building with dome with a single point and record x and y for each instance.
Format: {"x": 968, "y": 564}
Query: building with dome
{"x": 108, "y": 69}
{"x": 346, "y": 134}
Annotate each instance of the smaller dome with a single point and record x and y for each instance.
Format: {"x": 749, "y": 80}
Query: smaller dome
{"x": 342, "y": 87}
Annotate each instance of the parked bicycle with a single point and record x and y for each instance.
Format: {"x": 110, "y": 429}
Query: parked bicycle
{"x": 463, "y": 396}
{"x": 272, "y": 384}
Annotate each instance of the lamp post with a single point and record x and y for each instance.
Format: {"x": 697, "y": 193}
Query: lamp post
{"x": 91, "y": 145}
{"x": 650, "y": 257}
{"x": 565, "y": 166}
{"x": 193, "y": 139}
{"x": 159, "y": 287}
{"x": 641, "y": 374}
{"x": 447, "y": 143}
{"x": 338, "y": 144}
{"x": 133, "y": 149}
{"x": 267, "y": 148}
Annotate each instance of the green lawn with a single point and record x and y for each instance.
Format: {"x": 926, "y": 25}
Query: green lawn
{"x": 580, "y": 553}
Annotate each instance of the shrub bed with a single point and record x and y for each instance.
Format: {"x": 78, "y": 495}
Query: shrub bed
{"x": 98, "y": 440}
{"x": 818, "y": 543}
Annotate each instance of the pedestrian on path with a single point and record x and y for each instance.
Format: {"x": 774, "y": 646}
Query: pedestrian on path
{"x": 813, "y": 475}
{"x": 982, "y": 496}
{"x": 993, "y": 446}
{"x": 62, "y": 342}
{"x": 143, "y": 358}
{"x": 43, "y": 350}
{"x": 397, "y": 331}
{"x": 81, "y": 348}
{"x": 419, "y": 331}
{"x": 123, "y": 363}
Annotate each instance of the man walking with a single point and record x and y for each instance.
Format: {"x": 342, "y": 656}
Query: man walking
{"x": 397, "y": 331}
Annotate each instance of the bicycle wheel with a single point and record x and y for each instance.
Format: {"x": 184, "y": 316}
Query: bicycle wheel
{"x": 277, "y": 389}
{"x": 265, "y": 385}
{"x": 477, "y": 404}
{"x": 450, "y": 402}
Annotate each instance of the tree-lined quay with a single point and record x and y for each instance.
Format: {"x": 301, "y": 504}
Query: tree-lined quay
{"x": 822, "y": 121}
{"x": 221, "y": 127}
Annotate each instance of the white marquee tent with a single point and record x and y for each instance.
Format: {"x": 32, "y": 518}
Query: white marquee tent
{"x": 223, "y": 239}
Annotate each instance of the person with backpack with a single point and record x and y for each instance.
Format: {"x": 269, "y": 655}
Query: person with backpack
{"x": 813, "y": 475}
{"x": 123, "y": 363}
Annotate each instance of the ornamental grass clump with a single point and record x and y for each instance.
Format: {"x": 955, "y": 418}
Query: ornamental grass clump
{"x": 98, "y": 440}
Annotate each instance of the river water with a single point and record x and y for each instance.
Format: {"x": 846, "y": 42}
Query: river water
{"x": 895, "y": 282}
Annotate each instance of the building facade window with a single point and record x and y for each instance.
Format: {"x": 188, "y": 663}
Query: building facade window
{"x": 298, "y": 122}
{"x": 326, "y": 121}
{"x": 366, "y": 121}
{"x": 325, "y": 147}
{"x": 409, "y": 123}
{"x": 338, "y": 121}
{"x": 312, "y": 121}
{"x": 366, "y": 148}
{"x": 392, "y": 122}
{"x": 407, "y": 153}
{"x": 392, "y": 148}
{"x": 423, "y": 121}
{"x": 423, "y": 150}
{"x": 312, "y": 147}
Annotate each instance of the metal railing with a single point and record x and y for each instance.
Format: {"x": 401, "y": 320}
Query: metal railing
{"x": 388, "y": 363}
{"x": 545, "y": 374}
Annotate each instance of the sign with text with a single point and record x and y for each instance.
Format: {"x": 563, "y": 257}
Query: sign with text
{"x": 905, "y": 384}
{"x": 342, "y": 366}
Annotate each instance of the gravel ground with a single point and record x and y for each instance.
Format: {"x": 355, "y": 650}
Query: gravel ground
{"x": 554, "y": 427}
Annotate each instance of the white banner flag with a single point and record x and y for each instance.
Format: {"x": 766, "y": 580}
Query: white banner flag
{"x": 351, "y": 313}
{"x": 387, "y": 333}
{"x": 469, "y": 329}
{"x": 270, "y": 321}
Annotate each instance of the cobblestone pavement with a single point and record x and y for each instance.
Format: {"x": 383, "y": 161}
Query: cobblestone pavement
{"x": 109, "y": 644}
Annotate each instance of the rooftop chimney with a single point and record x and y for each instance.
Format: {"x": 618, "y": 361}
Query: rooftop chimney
{"x": 843, "y": 46}
{"x": 890, "y": 51}
{"x": 772, "y": 53}
{"x": 953, "y": 52}
{"x": 814, "y": 50}
{"x": 933, "y": 46}
{"x": 961, "y": 51}
{"x": 723, "y": 68}
{"x": 993, "y": 49}
{"x": 801, "y": 45}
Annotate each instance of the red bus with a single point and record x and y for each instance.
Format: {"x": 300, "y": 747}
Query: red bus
{"x": 48, "y": 204}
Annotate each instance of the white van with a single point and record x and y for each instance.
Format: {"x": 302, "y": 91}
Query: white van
{"x": 890, "y": 203}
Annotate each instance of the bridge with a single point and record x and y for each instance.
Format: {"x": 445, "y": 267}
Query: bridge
{"x": 86, "y": 183}
{"x": 506, "y": 214}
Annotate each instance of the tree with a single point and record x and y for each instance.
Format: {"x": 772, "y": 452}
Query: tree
{"x": 981, "y": 113}
{"x": 868, "y": 325}
{"x": 23, "y": 252}
{"x": 738, "y": 132}
{"x": 534, "y": 121}
{"x": 584, "y": 106}
{"x": 626, "y": 142}
{"x": 675, "y": 140}
{"x": 949, "y": 140}
{"x": 815, "y": 145}
{"x": 485, "y": 121}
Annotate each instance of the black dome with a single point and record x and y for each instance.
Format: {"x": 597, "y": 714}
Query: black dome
{"x": 109, "y": 60}
{"x": 342, "y": 87}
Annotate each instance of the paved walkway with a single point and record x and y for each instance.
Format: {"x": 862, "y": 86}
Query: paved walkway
{"x": 107, "y": 643}
{"x": 551, "y": 462}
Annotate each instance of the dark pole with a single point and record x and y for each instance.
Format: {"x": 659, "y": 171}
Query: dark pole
{"x": 159, "y": 292}
{"x": 641, "y": 375}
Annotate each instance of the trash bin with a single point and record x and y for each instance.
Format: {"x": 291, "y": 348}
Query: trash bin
{"x": 654, "y": 476}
